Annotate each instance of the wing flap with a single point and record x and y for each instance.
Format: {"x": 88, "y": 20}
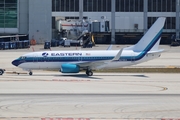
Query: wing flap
{"x": 93, "y": 65}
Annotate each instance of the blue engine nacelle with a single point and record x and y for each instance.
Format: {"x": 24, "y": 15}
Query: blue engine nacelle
{"x": 69, "y": 68}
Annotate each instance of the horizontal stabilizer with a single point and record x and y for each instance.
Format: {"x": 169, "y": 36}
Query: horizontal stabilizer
{"x": 157, "y": 51}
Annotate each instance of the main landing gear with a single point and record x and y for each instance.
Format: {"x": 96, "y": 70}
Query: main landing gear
{"x": 89, "y": 72}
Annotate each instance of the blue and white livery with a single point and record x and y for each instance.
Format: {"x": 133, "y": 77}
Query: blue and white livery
{"x": 75, "y": 61}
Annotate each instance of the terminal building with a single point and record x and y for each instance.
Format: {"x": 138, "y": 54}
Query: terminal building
{"x": 128, "y": 19}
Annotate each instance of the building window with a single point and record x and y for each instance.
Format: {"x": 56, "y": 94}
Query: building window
{"x": 169, "y": 24}
{"x": 65, "y": 5}
{"x": 8, "y": 13}
{"x": 53, "y": 5}
{"x": 53, "y": 23}
{"x": 129, "y": 5}
{"x": 75, "y": 18}
{"x": 97, "y": 5}
{"x": 161, "y": 5}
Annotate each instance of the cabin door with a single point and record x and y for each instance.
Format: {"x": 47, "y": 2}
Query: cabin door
{"x": 132, "y": 57}
{"x": 35, "y": 58}
{"x": 80, "y": 58}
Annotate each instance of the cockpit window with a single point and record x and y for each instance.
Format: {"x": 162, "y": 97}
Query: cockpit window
{"x": 22, "y": 57}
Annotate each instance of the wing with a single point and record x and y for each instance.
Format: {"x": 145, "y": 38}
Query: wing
{"x": 100, "y": 63}
{"x": 93, "y": 65}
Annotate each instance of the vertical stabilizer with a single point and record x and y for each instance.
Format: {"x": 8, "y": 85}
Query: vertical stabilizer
{"x": 151, "y": 40}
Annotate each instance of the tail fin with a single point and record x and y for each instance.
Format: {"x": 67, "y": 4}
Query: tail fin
{"x": 151, "y": 40}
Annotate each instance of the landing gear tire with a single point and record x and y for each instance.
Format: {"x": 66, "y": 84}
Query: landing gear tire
{"x": 30, "y": 73}
{"x": 1, "y": 72}
{"x": 89, "y": 72}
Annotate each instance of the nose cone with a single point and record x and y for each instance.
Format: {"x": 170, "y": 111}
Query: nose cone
{"x": 15, "y": 62}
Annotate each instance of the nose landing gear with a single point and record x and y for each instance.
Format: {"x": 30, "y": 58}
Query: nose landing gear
{"x": 30, "y": 73}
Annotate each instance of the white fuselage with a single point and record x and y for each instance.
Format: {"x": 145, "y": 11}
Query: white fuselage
{"x": 54, "y": 59}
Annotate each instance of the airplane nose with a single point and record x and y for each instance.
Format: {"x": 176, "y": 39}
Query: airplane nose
{"x": 15, "y": 62}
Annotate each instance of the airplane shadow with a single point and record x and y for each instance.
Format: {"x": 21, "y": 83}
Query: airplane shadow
{"x": 144, "y": 76}
{"x": 95, "y": 77}
{"x": 79, "y": 76}
{"x": 98, "y": 76}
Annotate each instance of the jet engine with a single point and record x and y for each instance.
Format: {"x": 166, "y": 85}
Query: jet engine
{"x": 69, "y": 68}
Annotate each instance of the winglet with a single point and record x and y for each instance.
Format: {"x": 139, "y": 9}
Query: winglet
{"x": 110, "y": 47}
{"x": 117, "y": 57}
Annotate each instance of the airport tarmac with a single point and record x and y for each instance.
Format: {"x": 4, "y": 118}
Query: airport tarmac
{"x": 105, "y": 96}
{"x": 102, "y": 96}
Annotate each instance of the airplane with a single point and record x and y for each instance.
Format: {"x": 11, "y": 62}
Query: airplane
{"x": 75, "y": 61}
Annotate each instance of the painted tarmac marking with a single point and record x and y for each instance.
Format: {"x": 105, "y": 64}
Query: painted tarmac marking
{"x": 70, "y": 80}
